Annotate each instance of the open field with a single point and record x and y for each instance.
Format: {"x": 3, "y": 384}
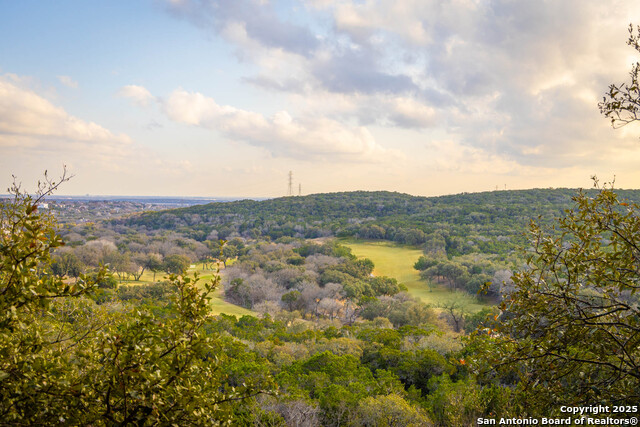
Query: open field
{"x": 397, "y": 261}
{"x": 218, "y": 304}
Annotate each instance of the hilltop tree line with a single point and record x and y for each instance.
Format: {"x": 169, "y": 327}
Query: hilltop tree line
{"x": 492, "y": 222}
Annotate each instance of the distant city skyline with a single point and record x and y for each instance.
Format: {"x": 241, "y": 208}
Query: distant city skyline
{"x": 222, "y": 98}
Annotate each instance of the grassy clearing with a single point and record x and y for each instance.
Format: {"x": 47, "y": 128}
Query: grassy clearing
{"x": 218, "y": 304}
{"x": 397, "y": 261}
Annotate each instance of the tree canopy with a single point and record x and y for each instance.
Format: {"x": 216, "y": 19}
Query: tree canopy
{"x": 65, "y": 359}
{"x": 621, "y": 104}
{"x": 572, "y": 325}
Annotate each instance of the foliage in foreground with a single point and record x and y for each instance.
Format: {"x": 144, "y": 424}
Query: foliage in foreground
{"x": 571, "y": 328}
{"x": 63, "y": 359}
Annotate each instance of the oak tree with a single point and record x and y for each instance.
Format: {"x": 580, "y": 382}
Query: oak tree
{"x": 571, "y": 326}
{"x": 65, "y": 359}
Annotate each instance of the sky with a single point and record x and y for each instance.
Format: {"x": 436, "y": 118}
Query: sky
{"x": 225, "y": 97}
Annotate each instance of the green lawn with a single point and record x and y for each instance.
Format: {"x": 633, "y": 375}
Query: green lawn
{"x": 218, "y": 304}
{"x": 397, "y": 261}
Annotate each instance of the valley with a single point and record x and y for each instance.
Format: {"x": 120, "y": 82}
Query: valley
{"x": 397, "y": 261}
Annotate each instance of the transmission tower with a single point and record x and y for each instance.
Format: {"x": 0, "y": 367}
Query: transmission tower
{"x": 290, "y": 193}
{"x": 299, "y": 189}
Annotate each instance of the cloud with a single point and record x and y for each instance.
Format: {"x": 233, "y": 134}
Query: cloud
{"x": 285, "y": 85}
{"x": 356, "y": 70}
{"x": 138, "y": 94}
{"x": 517, "y": 79}
{"x": 68, "y": 81}
{"x": 451, "y": 156}
{"x": 287, "y": 49}
{"x": 524, "y": 77}
{"x": 407, "y": 19}
{"x": 409, "y": 113}
{"x": 153, "y": 125}
{"x": 370, "y": 109}
{"x": 306, "y": 138}
{"x": 28, "y": 121}
{"x": 257, "y": 18}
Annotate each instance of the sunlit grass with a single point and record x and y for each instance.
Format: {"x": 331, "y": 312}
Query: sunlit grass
{"x": 397, "y": 261}
{"x": 218, "y": 304}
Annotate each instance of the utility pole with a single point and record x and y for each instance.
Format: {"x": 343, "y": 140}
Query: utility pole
{"x": 290, "y": 193}
{"x": 299, "y": 189}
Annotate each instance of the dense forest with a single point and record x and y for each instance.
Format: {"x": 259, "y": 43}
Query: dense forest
{"x": 491, "y": 222}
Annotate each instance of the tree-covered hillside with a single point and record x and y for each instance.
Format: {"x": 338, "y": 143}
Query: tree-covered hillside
{"x": 490, "y": 222}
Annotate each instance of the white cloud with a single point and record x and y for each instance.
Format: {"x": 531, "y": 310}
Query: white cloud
{"x": 37, "y": 135}
{"x": 451, "y": 156}
{"x": 405, "y": 19}
{"x": 408, "y": 112}
{"x": 389, "y": 111}
{"x": 68, "y": 81}
{"x": 138, "y": 94}
{"x": 317, "y": 138}
{"x": 28, "y": 120}
{"x": 515, "y": 78}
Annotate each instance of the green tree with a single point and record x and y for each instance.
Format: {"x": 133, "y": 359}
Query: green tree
{"x": 66, "y": 264}
{"x": 389, "y": 411}
{"x": 176, "y": 264}
{"x": 29, "y": 365}
{"x": 27, "y": 239}
{"x": 226, "y": 250}
{"x": 571, "y": 329}
{"x": 383, "y": 285}
{"x": 64, "y": 359}
{"x": 154, "y": 263}
{"x": 423, "y": 263}
{"x": 291, "y": 298}
{"x": 622, "y": 103}
{"x": 119, "y": 263}
{"x": 462, "y": 402}
{"x": 455, "y": 274}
